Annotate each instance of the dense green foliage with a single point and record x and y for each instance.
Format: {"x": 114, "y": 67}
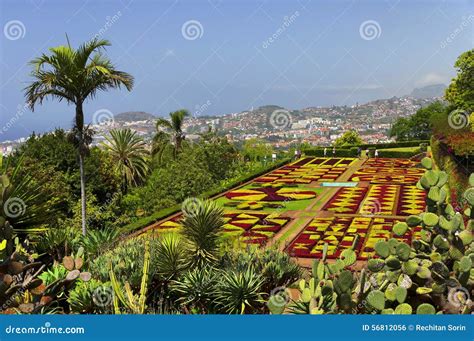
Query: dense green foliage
{"x": 417, "y": 126}
{"x": 461, "y": 92}
{"x": 349, "y": 138}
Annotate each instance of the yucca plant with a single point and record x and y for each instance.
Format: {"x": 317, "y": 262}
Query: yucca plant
{"x": 171, "y": 257}
{"x": 202, "y": 222}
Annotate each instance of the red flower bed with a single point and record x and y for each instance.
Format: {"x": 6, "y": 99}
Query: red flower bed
{"x": 254, "y": 228}
{"x": 270, "y": 194}
{"x": 411, "y": 200}
{"x": 392, "y": 163}
{"x": 346, "y": 200}
{"x": 340, "y": 232}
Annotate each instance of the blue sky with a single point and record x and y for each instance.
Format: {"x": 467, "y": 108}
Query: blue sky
{"x": 320, "y": 53}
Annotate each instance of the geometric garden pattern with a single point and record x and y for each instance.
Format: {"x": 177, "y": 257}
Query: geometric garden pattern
{"x": 385, "y": 193}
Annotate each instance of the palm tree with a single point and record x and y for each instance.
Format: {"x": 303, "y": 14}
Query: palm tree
{"x": 173, "y": 132}
{"x": 202, "y": 222}
{"x": 129, "y": 154}
{"x": 75, "y": 75}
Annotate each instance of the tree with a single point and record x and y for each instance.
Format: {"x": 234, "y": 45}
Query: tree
{"x": 349, "y": 138}
{"x": 129, "y": 154}
{"x": 418, "y": 126}
{"x": 74, "y": 76}
{"x": 256, "y": 149}
{"x": 170, "y": 131}
{"x": 461, "y": 90}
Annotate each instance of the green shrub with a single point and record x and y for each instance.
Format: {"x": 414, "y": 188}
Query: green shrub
{"x": 91, "y": 297}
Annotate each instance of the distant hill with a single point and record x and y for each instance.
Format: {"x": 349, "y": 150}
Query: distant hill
{"x": 430, "y": 91}
{"x": 132, "y": 116}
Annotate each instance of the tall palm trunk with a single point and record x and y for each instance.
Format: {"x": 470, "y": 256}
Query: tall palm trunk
{"x": 81, "y": 149}
{"x": 83, "y": 193}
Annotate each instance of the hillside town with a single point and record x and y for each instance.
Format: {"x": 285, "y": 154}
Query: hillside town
{"x": 281, "y": 127}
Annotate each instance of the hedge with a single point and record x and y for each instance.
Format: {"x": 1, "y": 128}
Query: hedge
{"x": 339, "y": 152}
{"x": 414, "y": 143}
{"x": 398, "y": 154}
{"x": 169, "y": 211}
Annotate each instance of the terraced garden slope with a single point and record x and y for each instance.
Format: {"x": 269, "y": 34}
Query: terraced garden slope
{"x": 314, "y": 200}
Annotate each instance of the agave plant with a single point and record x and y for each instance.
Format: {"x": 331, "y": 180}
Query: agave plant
{"x": 239, "y": 292}
{"x": 99, "y": 241}
{"x": 197, "y": 290}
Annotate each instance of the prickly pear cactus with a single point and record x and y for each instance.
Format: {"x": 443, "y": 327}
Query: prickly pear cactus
{"x": 435, "y": 274}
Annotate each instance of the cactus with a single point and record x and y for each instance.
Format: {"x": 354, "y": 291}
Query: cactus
{"x": 376, "y": 299}
{"x": 403, "y": 309}
{"x": 123, "y": 295}
{"x": 382, "y": 248}
{"x": 425, "y": 309}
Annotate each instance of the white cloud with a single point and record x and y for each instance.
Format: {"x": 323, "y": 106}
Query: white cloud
{"x": 431, "y": 79}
